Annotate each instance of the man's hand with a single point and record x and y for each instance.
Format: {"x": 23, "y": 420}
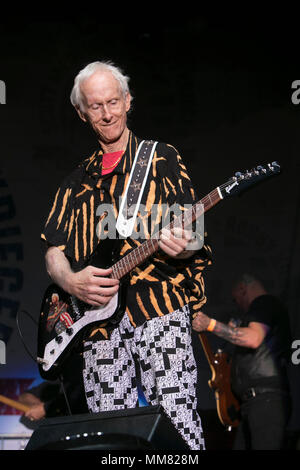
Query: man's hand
{"x": 36, "y": 412}
{"x": 200, "y": 322}
{"x": 92, "y": 285}
{"x": 175, "y": 243}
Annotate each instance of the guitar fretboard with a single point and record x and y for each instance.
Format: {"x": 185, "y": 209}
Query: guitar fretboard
{"x": 150, "y": 246}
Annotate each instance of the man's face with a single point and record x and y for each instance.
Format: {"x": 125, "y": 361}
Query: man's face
{"x": 104, "y": 106}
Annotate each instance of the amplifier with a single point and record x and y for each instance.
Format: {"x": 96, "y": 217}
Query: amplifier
{"x": 142, "y": 428}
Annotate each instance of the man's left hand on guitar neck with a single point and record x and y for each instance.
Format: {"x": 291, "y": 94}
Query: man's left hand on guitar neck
{"x": 178, "y": 243}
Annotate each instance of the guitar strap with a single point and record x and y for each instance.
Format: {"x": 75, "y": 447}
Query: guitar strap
{"x": 135, "y": 187}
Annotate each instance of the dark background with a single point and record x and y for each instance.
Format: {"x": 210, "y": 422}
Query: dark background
{"x": 218, "y": 87}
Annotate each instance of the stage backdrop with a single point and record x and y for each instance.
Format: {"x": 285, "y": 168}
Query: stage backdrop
{"x": 221, "y": 92}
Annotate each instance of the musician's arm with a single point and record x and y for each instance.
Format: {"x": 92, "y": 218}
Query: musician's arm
{"x": 250, "y": 337}
{"x": 59, "y": 268}
{"x": 29, "y": 399}
{"x": 92, "y": 285}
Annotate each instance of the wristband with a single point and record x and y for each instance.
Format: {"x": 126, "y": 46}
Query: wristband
{"x": 211, "y": 325}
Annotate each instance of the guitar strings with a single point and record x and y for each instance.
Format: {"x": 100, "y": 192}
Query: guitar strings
{"x": 118, "y": 268}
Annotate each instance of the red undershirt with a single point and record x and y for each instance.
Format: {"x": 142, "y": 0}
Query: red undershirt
{"x": 110, "y": 161}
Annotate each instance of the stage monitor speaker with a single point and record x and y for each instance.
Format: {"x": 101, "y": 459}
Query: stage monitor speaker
{"x": 134, "y": 429}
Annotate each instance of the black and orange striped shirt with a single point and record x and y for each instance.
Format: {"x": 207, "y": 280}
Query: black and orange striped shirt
{"x": 161, "y": 284}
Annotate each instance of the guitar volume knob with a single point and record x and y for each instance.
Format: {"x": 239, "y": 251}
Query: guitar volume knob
{"x": 59, "y": 339}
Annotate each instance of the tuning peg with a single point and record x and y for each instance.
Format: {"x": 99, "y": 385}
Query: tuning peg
{"x": 274, "y": 166}
{"x": 261, "y": 169}
{"x": 239, "y": 175}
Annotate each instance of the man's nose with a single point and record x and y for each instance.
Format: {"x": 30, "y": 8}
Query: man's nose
{"x": 106, "y": 114}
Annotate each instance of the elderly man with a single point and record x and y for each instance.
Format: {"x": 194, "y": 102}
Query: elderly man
{"x": 259, "y": 363}
{"x": 154, "y": 335}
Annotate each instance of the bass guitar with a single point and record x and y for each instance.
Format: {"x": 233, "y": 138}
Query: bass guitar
{"x": 64, "y": 318}
{"x": 228, "y": 407}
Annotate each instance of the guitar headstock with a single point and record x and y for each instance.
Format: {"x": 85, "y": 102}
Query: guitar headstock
{"x": 243, "y": 181}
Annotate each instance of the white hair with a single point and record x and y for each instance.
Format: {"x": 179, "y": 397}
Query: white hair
{"x": 88, "y": 71}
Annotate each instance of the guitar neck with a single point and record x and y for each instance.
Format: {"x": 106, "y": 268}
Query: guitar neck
{"x": 150, "y": 246}
{"x": 206, "y": 347}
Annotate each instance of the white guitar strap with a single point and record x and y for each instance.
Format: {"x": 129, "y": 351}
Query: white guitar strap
{"x": 135, "y": 187}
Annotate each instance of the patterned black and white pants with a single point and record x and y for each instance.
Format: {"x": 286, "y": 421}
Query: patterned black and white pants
{"x": 163, "y": 349}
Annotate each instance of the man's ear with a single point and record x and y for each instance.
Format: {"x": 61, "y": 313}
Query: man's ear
{"x": 81, "y": 114}
{"x": 128, "y": 102}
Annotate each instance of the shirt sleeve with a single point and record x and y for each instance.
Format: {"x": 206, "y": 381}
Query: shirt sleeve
{"x": 264, "y": 309}
{"x": 58, "y": 227}
{"x": 179, "y": 189}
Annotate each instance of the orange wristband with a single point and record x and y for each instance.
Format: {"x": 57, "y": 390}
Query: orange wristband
{"x": 211, "y": 325}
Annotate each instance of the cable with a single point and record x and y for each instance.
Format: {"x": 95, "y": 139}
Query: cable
{"x": 21, "y": 336}
{"x": 61, "y": 380}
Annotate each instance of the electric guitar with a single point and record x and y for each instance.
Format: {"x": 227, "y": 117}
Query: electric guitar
{"x": 64, "y": 318}
{"x": 228, "y": 406}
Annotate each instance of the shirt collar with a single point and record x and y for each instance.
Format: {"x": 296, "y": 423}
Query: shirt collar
{"x": 93, "y": 164}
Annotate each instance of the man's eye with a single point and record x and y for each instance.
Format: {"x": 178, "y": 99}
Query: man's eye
{"x": 95, "y": 106}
